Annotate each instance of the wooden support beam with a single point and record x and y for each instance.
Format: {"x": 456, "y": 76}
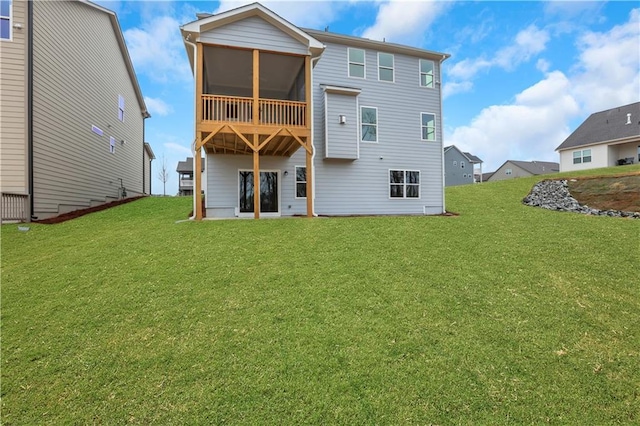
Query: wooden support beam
{"x": 197, "y": 175}
{"x": 305, "y": 145}
{"x": 202, "y": 142}
{"x": 256, "y": 87}
{"x": 241, "y": 136}
{"x": 267, "y": 140}
{"x": 199, "y": 67}
{"x": 256, "y": 179}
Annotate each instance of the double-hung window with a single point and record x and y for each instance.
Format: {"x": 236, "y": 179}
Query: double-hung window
{"x": 428, "y": 126}
{"x": 301, "y": 182}
{"x": 369, "y": 122}
{"x": 508, "y": 172}
{"x": 356, "y": 63}
{"x": 583, "y": 156}
{"x": 404, "y": 184}
{"x": 385, "y": 66}
{"x": 426, "y": 73}
{"x": 5, "y": 19}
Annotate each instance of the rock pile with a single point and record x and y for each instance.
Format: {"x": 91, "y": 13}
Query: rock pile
{"x": 555, "y": 195}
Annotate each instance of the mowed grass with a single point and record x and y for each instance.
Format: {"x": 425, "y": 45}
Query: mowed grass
{"x": 506, "y": 314}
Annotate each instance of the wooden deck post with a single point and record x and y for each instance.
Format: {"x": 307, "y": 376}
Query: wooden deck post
{"x": 197, "y": 175}
{"x": 308, "y": 118}
{"x": 256, "y": 178}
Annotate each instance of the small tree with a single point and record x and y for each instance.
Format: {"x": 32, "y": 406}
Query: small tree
{"x": 163, "y": 175}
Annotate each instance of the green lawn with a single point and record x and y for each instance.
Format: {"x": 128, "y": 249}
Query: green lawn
{"x": 506, "y": 314}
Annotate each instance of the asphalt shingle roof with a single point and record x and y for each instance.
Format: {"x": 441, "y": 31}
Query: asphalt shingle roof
{"x": 537, "y": 167}
{"x": 605, "y": 126}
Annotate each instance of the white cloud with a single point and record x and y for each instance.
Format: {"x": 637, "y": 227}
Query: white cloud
{"x": 313, "y": 14}
{"x": 529, "y": 129}
{"x": 543, "y": 65}
{"x": 157, "y": 106}
{"x": 452, "y": 88}
{"x": 404, "y": 21}
{"x": 157, "y": 50}
{"x": 177, "y": 148}
{"x": 608, "y": 72}
{"x": 528, "y": 43}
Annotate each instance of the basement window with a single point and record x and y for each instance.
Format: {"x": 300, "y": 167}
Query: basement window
{"x": 301, "y": 182}
{"x": 404, "y": 184}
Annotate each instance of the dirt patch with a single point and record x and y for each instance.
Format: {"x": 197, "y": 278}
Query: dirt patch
{"x": 77, "y": 213}
{"x": 620, "y": 192}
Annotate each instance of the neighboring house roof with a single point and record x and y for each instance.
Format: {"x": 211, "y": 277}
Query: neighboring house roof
{"x": 207, "y": 22}
{"x": 471, "y": 158}
{"x": 187, "y": 166}
{"x": 535, "y": 167}
{"x": 125, "y": 53}
{"x": 606, "y": 126}
{"x": 147, "y": 147}
{"x": 374, "y": 44}
{"x": 486, "y": 176}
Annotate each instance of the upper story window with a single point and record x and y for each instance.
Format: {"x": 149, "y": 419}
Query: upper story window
{"x": 120, "y": 108}
{"x": 428, "y": 126}
{"x": 5, "y": 19}
{"x": 385, "y": 66}
{"x": 426, "y": 73}
{"x": 356, "y": 62}
{"x": 462, "y": 164}
{"x": 508, "y": 171}
{"x": 583, "y": 156}
{"x": 369, "y": 121}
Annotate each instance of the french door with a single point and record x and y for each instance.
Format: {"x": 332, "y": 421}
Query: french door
{"x": 269, "y": 193}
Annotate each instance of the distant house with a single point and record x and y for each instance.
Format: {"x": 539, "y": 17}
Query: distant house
{"x": 295, "y": 121}
{"x": 185, "y": 176}
{"x": 484, "y": 177}
{"x": 459, "y": 167}
{"x": 71, "y": 110}
{"x": 607, "y": 138}
{"x": 512, "y": 169}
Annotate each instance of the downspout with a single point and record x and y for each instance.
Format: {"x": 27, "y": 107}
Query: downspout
{"x": 193, "y": 147}
{"x": 313, "y": 148}
{"x": 444, "y": 210}
{"x": 30, "y": 107}
{"x": 143, "y": 150}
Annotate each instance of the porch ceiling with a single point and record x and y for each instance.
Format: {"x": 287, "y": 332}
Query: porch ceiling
{"x": 230, "y": 143}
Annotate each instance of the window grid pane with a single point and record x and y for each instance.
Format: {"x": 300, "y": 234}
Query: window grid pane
{"x": 426, "y": 73}
{"x": 356, "y": 63}
{"x": 369, "y": 120}
{"x": 428, "y": 127}
{"x": 301, "y": 182}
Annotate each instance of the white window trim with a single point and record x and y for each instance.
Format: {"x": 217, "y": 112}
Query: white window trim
{"x": 433, "y": 84}
{"x": 435, "y": 127}
{"x": 377, "y": 125}
{"x": 393, "y": 67}
{"x": 582, "y": 156}
{"x": 404, "y": 192}
{"x": 10, "y": 18}
{"x": 508, "y": 172}
{"x": 364, "y": 64}
{"x": 295, "y": 180}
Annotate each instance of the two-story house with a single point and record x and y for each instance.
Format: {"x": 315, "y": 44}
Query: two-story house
{"x": 512, "y": 169}
{"x": 303, "y": 122}
{"x": 185, "y": 176}
{"x": 460, "y": 168}
{"x": 71, "y": 110}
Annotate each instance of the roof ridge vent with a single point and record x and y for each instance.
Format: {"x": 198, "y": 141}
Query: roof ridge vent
{"x": 628, "y": 118}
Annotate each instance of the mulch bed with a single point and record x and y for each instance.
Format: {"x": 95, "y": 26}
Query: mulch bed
{"x": 77, "y": 213}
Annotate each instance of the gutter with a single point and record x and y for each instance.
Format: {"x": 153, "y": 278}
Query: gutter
{"x": 30, "y": 107}
{"x": 313, "y": 148}
{"x": 444, "y": 57}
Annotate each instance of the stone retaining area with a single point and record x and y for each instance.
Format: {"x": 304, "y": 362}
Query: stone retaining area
{"x": 555, "y": 195}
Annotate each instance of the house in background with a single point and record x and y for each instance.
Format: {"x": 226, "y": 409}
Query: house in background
{"x": 72, "y": 113}
{"x": 303, "y": 122}
{"x": 459, "y": 167}
{"x": 607, "y": 138}
{"x": 185, "y": 176}
{"x": 512, "y": 169}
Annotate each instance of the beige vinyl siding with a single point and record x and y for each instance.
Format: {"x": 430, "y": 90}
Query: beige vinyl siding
{"x": 13, "y": 105}
{"x": 79, "y": 71}
{"x": 516, "y": 171}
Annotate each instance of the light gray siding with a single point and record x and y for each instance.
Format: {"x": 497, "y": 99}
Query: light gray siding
{"x": 79, "y": 74}
{"x": 13, "y": 105}
{"x": 457, "y": 169}
{"x": 362, "y": 186}
{"x": 254, "y": 33}
{"x": 341, "y": 139}
{"x": 509, "y": 171}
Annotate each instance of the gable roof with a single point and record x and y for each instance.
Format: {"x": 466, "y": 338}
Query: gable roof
{"x": 208, "y": 22}
{"x": 125, "y": 53}
{"x": 187, "y": 166}
{"x": 535, "y": 167}
{"x": 470, "y": 158}
{"x": 604, "y": 126}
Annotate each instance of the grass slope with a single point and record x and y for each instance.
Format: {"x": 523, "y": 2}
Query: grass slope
{"x": 506, "y": 314}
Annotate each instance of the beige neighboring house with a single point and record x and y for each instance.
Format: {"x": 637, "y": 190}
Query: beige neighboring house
{"x": 512, "y": 169}
{"x": 71, "y": 110}
{"x": 605, "y": 139}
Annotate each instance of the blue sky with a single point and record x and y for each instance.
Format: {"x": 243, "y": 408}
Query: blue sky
{"x": 521, "y": 77}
